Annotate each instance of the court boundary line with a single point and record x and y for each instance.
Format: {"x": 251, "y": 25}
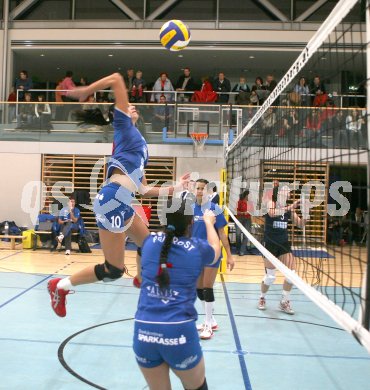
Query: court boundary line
{"x": 242, "y": 362}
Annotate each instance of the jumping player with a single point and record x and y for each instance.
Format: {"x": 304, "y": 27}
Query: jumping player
{"x": 208, "y": 276}
{"x": 165, "y": 334}
{"x": 277, "y": 242}
{"x": 112, "y": 207}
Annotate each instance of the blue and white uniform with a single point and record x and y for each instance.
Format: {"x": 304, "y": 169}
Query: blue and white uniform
{"x": 165, "y": 328}
{"x": 198, "y": 229}
{"x": 112, "y": 204}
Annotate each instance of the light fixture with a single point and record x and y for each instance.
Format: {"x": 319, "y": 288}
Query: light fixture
{"x": 180, "y": 56}
{"x": 42, "y": 55}
{"x": 110, "y": 55}
{"x": 323, "y": 58}
{"x": 251, "y": 57}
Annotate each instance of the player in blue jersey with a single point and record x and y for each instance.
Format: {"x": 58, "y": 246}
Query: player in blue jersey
{"x": 165, "y": 334}
{"x": 208, "y": 277}
{"x": 112, "y": 206}
{"x": 277, "y": 242}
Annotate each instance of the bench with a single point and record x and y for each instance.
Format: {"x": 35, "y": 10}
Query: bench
{"x": 45, "y": 232}
{"x": 12, "y": 239}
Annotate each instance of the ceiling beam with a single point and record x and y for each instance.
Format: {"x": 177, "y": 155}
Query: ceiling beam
{"x": 125, "y": 9}
{"x": 167, "y": 4}
{"x": 21, "y": 8}
{"x": 314, "y": 7}
{"x": 271, "y": 8}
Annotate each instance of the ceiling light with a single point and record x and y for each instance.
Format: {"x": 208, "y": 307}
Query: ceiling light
{"x": 323, "y": 58}
{"x": 180, "y": 56}
{"x": 28, "y": 44}
{"x": 110, "y": 55}
{"x": 251, "y": 57}
{"x": 42, "y": 55}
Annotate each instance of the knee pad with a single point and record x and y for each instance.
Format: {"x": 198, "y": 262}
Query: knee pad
{"x": 111, "y": 275}
{"x": 270, "y": 276}
{"x": 138, "y": 251}
{"x": 203, "y": 387}
{"x": 200, "y": 294}
{"x": 208, "y": 295}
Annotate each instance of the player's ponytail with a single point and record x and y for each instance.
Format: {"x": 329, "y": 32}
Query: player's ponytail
{"x": 163, "y": 277}
{"x": 93, "y": 117}
{"x": 179, "y": 216}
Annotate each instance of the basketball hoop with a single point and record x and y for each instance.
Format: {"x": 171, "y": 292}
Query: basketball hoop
{"x": 199, "y": 140}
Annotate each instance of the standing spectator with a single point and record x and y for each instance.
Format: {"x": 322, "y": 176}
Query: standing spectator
{"x": 68, "y": 218}
{"x": 83, "y": 82}
{"x": 260, "y": 90}
{"x": 340, "y": 138}
{"x": 26, "y": 113}
{"x": 129, "y": 79}
{"x": 270, "y": 83}
{"x": 22, "y": 84}
{"x": 67, "y": 85}
{"x": 162, "y": 85}
{"x": 318, "y": 89}
{"x": 185, "y": 83}
{"x": 43, "y": 114}
{"x": 222, "y": 84}
{"x": 244, "y": 91}
{"x": 244, "y": 217}
{"x": 59, "y": 101}
{"x": 162, "y": 115}
{"x": 313, "y": 127}
{"x": 138, "y": 88}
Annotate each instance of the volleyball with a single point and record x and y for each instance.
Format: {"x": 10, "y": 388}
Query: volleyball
{"x": 174, "y": 35}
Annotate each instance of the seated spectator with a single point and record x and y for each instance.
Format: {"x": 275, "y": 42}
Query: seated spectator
{"x": 270, "y": 86}
{"x": 26, "y": 113}
{"x": 83, "y": 82}
{"x": 214, "y": 197}
{"x": 23, "y": 84}
{"x": 43, "y": 114}
{"x": 340, "y": 138}
{"x": 161, "y": 86}
{"x": 260, "y": 90}
{"x": 313, "y": 128}
{"x": 334, "y": 231}
{"x": 138, "y": 88}
{"x": 269, "y": 123}
{"x": 244, "y": 91}
{"x": 354, "y": 123}
{"x": 206, "y": 93}
{"x": 222, "y": 84}
{"x": 67, "y": 85}
{"x": 185, "y": 83}
{"x": 162, "y": 115}
{"x": 318, "y": 89}
{"x": 302, "y": 90}
{"x": 68, "y": 221}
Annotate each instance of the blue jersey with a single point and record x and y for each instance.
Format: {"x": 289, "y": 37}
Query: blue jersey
{"x": 130, "y": 151}
{"x": 199, "y": 228}
{"x": 65, "y": 213}
{"x": 175, "y": 304}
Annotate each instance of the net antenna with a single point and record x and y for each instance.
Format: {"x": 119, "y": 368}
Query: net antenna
{"x": 199, "y": 140}
{"x": 309, "y": 142}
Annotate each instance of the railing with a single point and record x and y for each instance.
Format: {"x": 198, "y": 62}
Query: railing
{"x": 339, "y": 100}
{"x": 280, "y": 126}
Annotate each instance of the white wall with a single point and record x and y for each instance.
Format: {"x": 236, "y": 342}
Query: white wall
{"x": 17, "y": 171}
{"x": 201, "y": 168}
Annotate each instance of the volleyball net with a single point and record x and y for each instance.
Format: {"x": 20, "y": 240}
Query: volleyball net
{"x": 310, "y": 136}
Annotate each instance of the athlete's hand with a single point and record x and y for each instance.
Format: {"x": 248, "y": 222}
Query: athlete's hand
{"x": 209, "y": 217}
{"x": 184, "y": 179}
{"x": 294, "y": 205}
{"x": 230, "y": 262}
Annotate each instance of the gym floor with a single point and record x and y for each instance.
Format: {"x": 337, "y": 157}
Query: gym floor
{"x": 91, "y": 347}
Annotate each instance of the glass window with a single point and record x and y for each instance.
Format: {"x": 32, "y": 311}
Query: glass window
{"x": 98, "y": 9}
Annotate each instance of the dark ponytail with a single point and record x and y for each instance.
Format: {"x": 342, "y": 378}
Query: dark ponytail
{"x": 179, "y": 216}
{"x": 163, "y": 277}
{"x": 94, "y": 117}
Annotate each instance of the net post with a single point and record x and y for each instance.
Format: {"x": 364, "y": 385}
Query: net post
{"x": 223, "y": 265}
